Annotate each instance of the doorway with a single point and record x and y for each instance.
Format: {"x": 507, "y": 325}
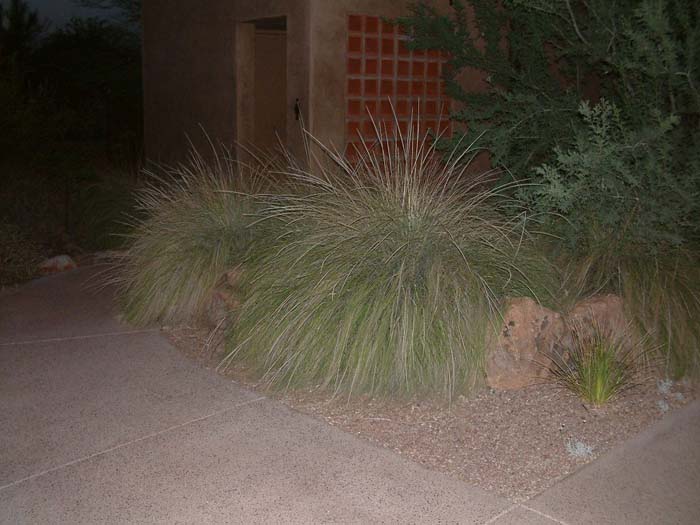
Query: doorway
{"x": 261, "y": 81}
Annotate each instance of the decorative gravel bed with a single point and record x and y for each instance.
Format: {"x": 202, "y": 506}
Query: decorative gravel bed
{"x": 514, "y": 443}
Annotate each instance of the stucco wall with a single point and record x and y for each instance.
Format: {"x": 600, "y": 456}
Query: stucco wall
{"x": 189, "y": 60}
{"x": 188, "y": 66}
{"x": 298, "y": 59}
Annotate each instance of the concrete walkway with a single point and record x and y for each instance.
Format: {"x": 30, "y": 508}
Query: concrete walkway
{"x": 101, "y": 423}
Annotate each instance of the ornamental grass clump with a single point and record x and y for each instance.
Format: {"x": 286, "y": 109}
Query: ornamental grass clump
{"x": 387, "y": 272}
{"x": 600, "y": 365}
{"x": 661, "y": 294}
{"x": 194, "y": 222}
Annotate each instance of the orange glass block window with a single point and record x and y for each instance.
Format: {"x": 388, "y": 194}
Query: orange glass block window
{"x": 382, "y": 73}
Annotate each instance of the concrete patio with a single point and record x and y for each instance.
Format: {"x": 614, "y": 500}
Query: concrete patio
{"x": 103, "y": 423}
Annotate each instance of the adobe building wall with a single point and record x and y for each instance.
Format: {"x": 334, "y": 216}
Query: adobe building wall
{"x": 188, "y": 70}
{"x": 199, "y": 71}
{"x": 190, "y": 61}
{"x": 296, "y": 84}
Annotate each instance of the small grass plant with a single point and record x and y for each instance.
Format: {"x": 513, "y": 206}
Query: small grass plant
{"x": 600, "y": 365}
{"x": 388, "y": 270}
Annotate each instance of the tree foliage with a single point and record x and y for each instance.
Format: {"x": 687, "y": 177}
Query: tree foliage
{"x": 618, "y": 179}
{"x": 93, "y": 68}
{"x": 129, "y": 11}
{"x": 79, "y": 82}
{"x": 20, "y": 29}
{"x": 595, "y": 104}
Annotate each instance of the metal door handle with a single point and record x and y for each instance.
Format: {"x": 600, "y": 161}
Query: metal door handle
{"x": 297, "y": 109}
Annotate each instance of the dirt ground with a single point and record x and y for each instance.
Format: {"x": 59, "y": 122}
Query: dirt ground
{"x": 515, "y": 443}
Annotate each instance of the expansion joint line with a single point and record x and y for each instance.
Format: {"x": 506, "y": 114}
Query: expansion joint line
{"x": 123, "y": 445}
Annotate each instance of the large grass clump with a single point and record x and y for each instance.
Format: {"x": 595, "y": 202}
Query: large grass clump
{"x": 194, "y": 222}
{"x": 660, "y": 290}
{"x": 386, "y": 275}
{"x": 662, "y": 296}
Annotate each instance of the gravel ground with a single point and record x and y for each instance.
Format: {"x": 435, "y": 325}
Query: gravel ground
{"x": 515, "y": 443}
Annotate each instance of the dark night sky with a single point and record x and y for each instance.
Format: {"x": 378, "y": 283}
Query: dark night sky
{"x": 58, "y": 12}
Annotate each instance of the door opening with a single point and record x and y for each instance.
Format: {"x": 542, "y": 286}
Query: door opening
{"x": 262, "y": 82}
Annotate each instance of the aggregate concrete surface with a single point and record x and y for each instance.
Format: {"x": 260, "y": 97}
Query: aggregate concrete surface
{"x": 104, "y": 423}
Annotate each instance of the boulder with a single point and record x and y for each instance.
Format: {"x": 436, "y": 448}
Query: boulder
{"x": 217, "y": 308}
{"x": 529, "y": 338}
{"x": 224, "y": 299}
{"x": 602, "y": 313}
{"x": 532, "y": 337}
{"x": 60, "y": 263}
{"x": 233, "y": 277}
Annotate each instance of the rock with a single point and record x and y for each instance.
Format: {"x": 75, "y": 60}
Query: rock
{"x": 220, "y": 304}
{"x": 521, "y": 354}
{"x": 533, "y": 337}
{"x": 224, "y": 300}
{"x": 60, "y": 263}
{"x": 602, "y": 313}
{"x": 233, "y": 277}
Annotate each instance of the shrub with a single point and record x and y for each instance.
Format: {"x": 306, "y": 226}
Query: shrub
{"x": 618, "y": 183}
{"x": 196, "y": 223}
{"x": 385, "y": 276}
{"x": 599, "y": 365}
{"x": 103, "y": 207}
{"x": 523, "y": 110}
{"x": 93, "y": 68}
{"x": 19, "y": 255}
{"x": 661, "y": 294}
{"x": 542, "y": 58}
{"x": 630, "y": 206}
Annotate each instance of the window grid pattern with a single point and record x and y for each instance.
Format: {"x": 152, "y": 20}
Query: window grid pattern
{"x": 385, "y": 78}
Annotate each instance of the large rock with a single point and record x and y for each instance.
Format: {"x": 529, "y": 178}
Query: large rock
{"x": 533, "y": 337}
{"x": 60, "y": 263}
{"x": 521, "y": 353}
{"x": 604, "y": 314}
{"x": 224, "y": 300}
